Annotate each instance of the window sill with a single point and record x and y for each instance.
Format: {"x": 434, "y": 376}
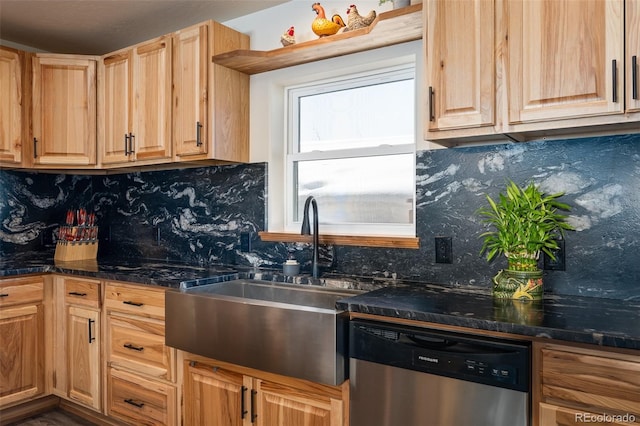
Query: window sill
{"x": 344, "y": 240}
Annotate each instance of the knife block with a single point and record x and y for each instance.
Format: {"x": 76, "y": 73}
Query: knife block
{"x": 78, "y": 249}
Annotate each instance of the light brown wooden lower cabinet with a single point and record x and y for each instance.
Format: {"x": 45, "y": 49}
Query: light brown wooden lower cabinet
{"x": 217, "y": 394}
{"x": 587, "y": 386}
{"x": 141, "y": 379}
{"x": 21, "y": 340}
{"x": 82, "y": 334}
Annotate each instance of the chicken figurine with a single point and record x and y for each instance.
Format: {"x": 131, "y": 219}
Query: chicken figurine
{"x": 287, "y": 38}
{"x": 356, "y": 21}
{"x": 322, "y": 26}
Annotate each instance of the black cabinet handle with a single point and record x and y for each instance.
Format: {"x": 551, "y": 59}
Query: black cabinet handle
{"x": 634, "y": 77}
{"x": 132, "y": 139}
{"x": 91, "y": 338}
{"x": 432, "y": 116}
{"x": 35, "y": 148}
{"x": 614, "y": 80}
{"x": 133, "y": 347}
{"x": 198, "y": 134}
{"x": 126, "y": 144}
{"x": 254, "y": 414}
{"x": 129, "y": 302}
{"x": 135, "y": 404}
{"x": 4, "y": 295}
{"x": 75, "y": 293}
{"x": 243, "y": 408}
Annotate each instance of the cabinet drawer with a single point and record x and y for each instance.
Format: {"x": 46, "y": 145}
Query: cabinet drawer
{"x": 553, "y": 415}
{"x": 82, "y": 292}
{"x": 139, "y": 401}
{"x": 135, "y": 300}
{"x": 139, "y": 345}
{"x": 21, "y": 290}
{"x": 605, "y": 381}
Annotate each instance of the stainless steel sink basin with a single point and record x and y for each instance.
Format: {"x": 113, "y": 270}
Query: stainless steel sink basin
{"x": 287, "y": 329}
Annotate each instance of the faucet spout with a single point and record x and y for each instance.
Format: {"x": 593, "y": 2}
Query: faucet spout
{"x": 307, "y": 231}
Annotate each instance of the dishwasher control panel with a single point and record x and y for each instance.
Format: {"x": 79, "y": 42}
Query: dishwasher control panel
{"x": 481, "y": 359}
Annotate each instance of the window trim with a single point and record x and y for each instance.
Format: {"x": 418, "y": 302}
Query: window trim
{"x": 379, "y": 232}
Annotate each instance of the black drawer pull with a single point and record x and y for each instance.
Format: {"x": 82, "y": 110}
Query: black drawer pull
{"x": 91, "y": 338}
{"x": 634, "y": 77}
{"x": 126, "y": 144}
{"x": 614, "y": 81}
{"x": 243, "y": 408}
{"x": 35, "y": 148}
{"x": 133, "y": 347}
{"x": 4, "y": 295}
{"x": 75, "y": 293}
{"x": 198, "y": 134}
{"x": 254, "y": 414}
{"x": 432, "y": 107}
{"x": 129, "y": 302}
{"x": 135, "y": 404}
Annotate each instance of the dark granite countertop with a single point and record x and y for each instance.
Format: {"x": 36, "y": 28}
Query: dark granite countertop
{"x": 150, "y": 272}
{"x": 604, "y": 322}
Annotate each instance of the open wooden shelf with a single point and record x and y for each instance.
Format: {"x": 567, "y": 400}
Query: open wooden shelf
{"x": 344, "y": 240}
{"x": 389, "y": 28}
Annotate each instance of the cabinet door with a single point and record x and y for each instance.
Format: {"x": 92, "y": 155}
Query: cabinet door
{"x": 21, "y": 353}
{"x": 213, "y": 396}
{"x": 190, "y": 86}
{"x": 565, "y": 59}
{"x": 460, "y": 69}
{"x": 632, "y": 30}
{"x": 152, "y": 100}
{"x": 281, "y": 405}
{"x": 83, "y": 356}
{"x": 64, "y": 110}
{"x": 10, "y": 106}
{"x": 115, "y": 107}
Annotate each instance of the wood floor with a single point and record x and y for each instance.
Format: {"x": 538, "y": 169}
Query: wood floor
{"x": 53, "y": 418}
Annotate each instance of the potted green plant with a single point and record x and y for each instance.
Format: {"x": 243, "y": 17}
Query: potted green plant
{"x": 526, "y": 222}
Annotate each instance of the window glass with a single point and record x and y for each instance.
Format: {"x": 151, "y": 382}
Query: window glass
{"x": 352, "y": 147}
{"x": 361, "y": 117}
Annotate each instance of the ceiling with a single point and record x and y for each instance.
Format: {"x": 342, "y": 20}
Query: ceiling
{"x": 102, "y": 26}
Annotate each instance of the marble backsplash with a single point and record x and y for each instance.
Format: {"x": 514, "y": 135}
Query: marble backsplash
{"x": 197, "y": 215}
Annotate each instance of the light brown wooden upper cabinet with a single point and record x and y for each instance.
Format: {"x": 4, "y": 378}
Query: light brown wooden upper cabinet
{"x": 64, "y": 111}
{"x": 632, "y": 25}
{"x": 524, "y": 68}
{"x": 134, "y": 87}
{"x": 565, "y": 59}
{"x": 210, "y": 102}
{"x": 459, "y": 45}
{"x": 11, "y": 105}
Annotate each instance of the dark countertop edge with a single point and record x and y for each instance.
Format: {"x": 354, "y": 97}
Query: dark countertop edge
{"x": 597, "y": 338}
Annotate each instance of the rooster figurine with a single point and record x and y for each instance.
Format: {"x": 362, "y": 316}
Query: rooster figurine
{"x": 322, "y": 26}
{"x": 287, "y": 38}
{"x": 356, "y": 21}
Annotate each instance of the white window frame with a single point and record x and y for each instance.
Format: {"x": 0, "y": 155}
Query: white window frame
{"x": 292, "y": 93}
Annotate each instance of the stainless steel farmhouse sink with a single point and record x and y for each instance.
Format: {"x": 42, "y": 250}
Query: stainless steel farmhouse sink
{"x": 287, "y": 329}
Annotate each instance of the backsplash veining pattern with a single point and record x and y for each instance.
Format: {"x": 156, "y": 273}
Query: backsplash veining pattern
{"x": 196, "y": 215}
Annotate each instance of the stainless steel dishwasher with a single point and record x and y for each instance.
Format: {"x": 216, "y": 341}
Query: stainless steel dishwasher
{"x": 409, "y": 376}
